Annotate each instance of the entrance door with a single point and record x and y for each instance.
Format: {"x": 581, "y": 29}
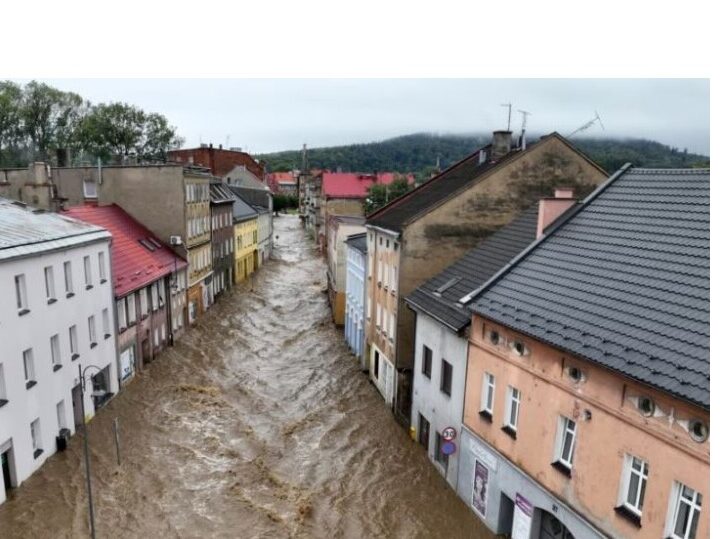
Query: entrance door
{"x": 552, "y": 528}
{"x": 423, "y": 431}
{"x": 5, "y": 463}
{"x": 77, "y": 406}
{"x": 376, "y": 366}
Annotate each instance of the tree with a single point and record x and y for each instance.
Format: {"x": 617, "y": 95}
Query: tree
{"x": 379, "y": 194}
{"x": 10, "y": 131}
{"x": 112, "y": 129}
{"x": 158, "y": 137}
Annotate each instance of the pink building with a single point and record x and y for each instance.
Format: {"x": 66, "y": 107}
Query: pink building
{"x": 587, "y": 398}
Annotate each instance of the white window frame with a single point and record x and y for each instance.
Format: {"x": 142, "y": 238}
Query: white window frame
{"x": 92, "y": 334}
{"x": 67, "y": 269}
{"x": 121, "y": 314}
{"x": 629, "y": 472}
{"x": 106, "y": 322}
{"x": 144, "y": 302}
{"x": 29, "y": 365}
{"x": 512, "y": 407}
{"x": 131, "y": 310}
{"x": 87, "y": 268}
{"x": 89, "y": 188}
{"x": 72, "y": 332}
{"x": 565, "y": 426}
{"x": 36, "y": 435}
{"x": 694, "y": 504}
{"x": 55, "y": 350}
{"x": 49, "y": 283}
{"x": 101, "y": 265}
{"x": 21, "y": 292}
{"x": 488, "y": 393}
{"x": 61, "y": 417}
{"x": 3, "y": 387}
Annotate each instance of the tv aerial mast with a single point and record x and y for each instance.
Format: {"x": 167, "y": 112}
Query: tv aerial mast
{"x": 588, "y": 125}
{"x": 509, "y": 106}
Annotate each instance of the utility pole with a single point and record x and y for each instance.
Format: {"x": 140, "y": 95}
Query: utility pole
{"x": 87, "y": 453}
{"x": 509, "y": 106}
{"x": 525, "y": 114}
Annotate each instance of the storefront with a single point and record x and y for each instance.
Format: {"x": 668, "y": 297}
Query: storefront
{"x": 510, "y": 502}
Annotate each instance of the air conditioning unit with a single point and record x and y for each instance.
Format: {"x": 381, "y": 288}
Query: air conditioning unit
{"x": 176, "y": 240}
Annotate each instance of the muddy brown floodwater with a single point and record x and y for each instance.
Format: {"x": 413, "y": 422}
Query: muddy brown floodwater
{"x": 259, "y": 423}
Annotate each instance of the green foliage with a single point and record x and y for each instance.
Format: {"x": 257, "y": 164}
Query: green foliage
{"x": 379, "y": 194}
{"x": 283, "y": 202}
{"x": 418, "y": 154}
{"x": 37, "y": 119}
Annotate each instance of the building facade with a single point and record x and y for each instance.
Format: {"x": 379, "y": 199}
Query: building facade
{"x": 420, "y": 233}
{"x": 339, "y": 228}
{"x": 587, "y": 396}
{"x": 56, "y": 315}
{"x": 218, "y": 160}
{"x": 355, "y": 294}
{"x": 223, "y": 237}
{"x": 245, "y": 233}
{"x": 145, "y": 274}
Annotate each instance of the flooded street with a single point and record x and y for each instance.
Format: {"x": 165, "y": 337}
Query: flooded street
{"x": 259, "y": 423}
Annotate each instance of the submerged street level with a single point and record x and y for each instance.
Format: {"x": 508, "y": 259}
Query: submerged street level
{"x": 259, "y": 423}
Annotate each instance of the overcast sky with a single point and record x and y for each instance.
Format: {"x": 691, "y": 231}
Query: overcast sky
{"x": 263, "y": 115}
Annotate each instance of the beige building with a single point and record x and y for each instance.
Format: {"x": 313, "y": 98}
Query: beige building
{"x": 339, "y": 228}
{"x": 419, "y": 234}
{"x": 171, "y": 200}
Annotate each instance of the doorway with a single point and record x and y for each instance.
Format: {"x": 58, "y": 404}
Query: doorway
{"x": 423, "y": 431}
{"x": 77, "y": 406}
{"x": 552, "y": 528}
{"x": 376, "y": 365}
{"x": 7, "y": 463}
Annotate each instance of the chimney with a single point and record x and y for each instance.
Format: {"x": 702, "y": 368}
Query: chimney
{"x": 501, "y": 144}
{"x": 551, "y": 208}
{"x": 220, "y": 147}
{"x": 40, "y": 173}
{"x": 211, "y": 146}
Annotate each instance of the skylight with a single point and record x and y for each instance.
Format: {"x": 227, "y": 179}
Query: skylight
{"x": 149, "y": 246}
{"x": 447, "y": 285}
{"x": 155, "y": 242}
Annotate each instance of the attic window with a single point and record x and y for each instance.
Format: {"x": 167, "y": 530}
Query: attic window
{"x": 155, "y": 242}
{"x": 698, "y": 430}
{"x": 575, "y": 374}
{"x": 149, "y": 246}
{"x": 519, "y": 348}
{"x": 495, "y": 337}
{"x": 452, "y": 282}
{"x": 646, "y": 406}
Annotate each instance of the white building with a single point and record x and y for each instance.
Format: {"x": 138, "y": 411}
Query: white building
{"x": 355, "y": 295}
{"x": 56, "y": 313}
{"x": 265, "y": 232}
{"x": 441, "y": 343}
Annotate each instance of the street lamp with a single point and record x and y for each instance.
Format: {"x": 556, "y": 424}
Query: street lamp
{"x": 82, "y": 372}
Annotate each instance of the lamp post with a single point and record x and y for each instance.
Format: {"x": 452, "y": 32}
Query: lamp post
{"x": 82, "y": 371}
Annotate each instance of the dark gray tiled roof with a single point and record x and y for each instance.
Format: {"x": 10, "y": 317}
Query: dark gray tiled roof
{"x": 358, "y": 241}
{"x": 472, "y": 270}
{"x": 624, "y": 282}
{"x": 242, "y": 211}
{"x": 219, "y": 193}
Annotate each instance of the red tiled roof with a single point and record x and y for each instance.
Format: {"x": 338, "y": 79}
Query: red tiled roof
{"x": 133, "y": 265}
{"x": 351, "y": 185}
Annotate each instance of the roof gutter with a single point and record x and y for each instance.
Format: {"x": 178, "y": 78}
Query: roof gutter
{"x": 417, "y": 308}
{"x": 548, "y": 233}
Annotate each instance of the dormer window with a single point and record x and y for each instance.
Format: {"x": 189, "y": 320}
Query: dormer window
{"x": 519, "y": 348}
{"x": 646, "y": 406}
{"x": 495, "y": 337}
{"x": 699, "y": 430}
{"x": 575, "y": 374}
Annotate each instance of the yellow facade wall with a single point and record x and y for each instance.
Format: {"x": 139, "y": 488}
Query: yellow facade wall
{"x": 246, "y": 248}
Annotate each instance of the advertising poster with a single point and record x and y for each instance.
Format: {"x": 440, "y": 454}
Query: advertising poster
{"x": 480, "y": 489}
{"x": 522, "y": 518}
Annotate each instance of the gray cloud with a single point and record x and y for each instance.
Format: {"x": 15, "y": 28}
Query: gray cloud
{"x": 267, "y": 115}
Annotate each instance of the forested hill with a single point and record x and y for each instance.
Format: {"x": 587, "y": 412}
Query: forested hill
{"x": 418, "y": 154}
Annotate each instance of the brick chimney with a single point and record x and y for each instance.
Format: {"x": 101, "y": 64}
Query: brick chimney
{"x": 553, "y": 207}
{"x": 501, "y": 144}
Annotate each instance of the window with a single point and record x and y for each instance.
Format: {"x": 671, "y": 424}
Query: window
{"x": 106, "y": 323}
{"x": 378, "y": 319}
{"x": 391, "y": 326}
{"x": 446, "y": 377}
{"x": 131, "y": 309}
{"x": 440, "y": 457}
{"x": 565, "y": 443}
{"x": 519, "y": 348}
{"x": 29, "y": 367}
{"x": 21, "y": 294}
{"x": 36, "y": 438}
{"x": 427, "y": 362}
{"x": 632, "y": 485}
{"x": 89, "y": 189}
{"x": 699, "y": 430}
{"x": 512, "y": 408}
{"x": 161, "y": 283}
{"x": 62, "y": 423}
{"x": 156, "y": 335}
{"x": 50, "y": 285}
{"x": 73, "y": 343}
{"x": 488, "y": 395}
{"x": 154, "y": 296}
{"x": 121, "y": 314}
{"x": 67, "y": 267}
{"x": 144, "y": 302}
{"x": 101, "y": 265}
{"x": 88, "y": 272}
{"x": 55, "y": 352}
{"x": 3, "y": 390}
{"x": 685, "y": 505}
{"x": 91, "y": 331}
{"x": 423, "y": 431}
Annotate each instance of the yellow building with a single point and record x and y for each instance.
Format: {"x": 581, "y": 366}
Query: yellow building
{"x": 245, "y": 220}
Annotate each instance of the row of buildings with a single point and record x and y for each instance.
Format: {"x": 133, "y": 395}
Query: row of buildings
{"x": 102, "y": 268}
{"x": 542, "y": 329}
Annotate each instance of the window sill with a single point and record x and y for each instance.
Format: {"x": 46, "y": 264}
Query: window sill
{"x": 3, "y": 402}
{"x": 23, "y": 312}
{"x": 69, "y": 294}
{"x": 88, "y": 286}
{"x": 103, "y": 281}
{"x": 57, "y": 367}
{"x": 74, "y": 357}
{"x": 487, "y": 416}
{"x": 446, "y": 393}
{"x": 509, "y": 431}
{"x": 93, "y": 344}
{"x": 562, "y": 468}
{"x": 51, "y": 301}
{"x": 122, "y": 330}
{"x": 108, "y": 335}
{"x": 30, "y": 383}
{"x": 629, "y": 515}
{"x": 37, "y": 453}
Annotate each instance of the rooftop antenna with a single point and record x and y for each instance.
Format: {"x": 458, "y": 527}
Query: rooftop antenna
{"x": 227, "y": 141}
{"x": 525, "y": 114}
{"x": 304, "y": 158}
{"x": 588, "y": 125}
{"x": 509, "y": 106}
